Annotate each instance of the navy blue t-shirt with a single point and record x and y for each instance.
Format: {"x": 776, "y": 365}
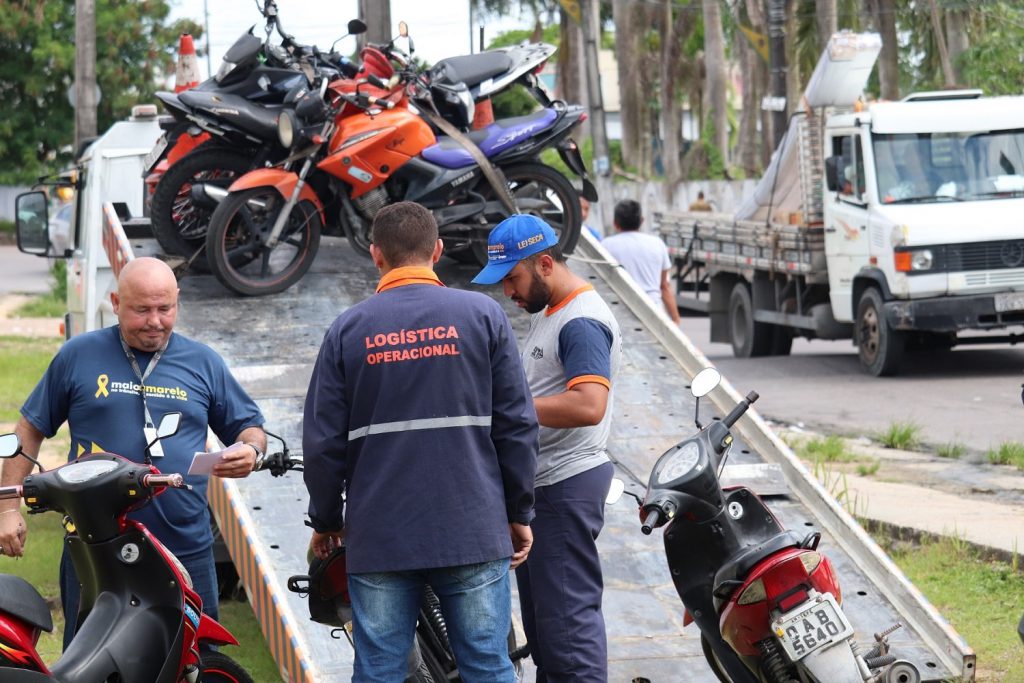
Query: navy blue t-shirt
{"x": 91, "y": 385}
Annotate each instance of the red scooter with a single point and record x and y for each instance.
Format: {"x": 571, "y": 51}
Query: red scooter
{"x": 139, "y": 618}
{"x": 768, "y": 604}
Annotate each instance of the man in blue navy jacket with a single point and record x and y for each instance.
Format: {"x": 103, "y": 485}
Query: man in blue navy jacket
{"x": 419, "y": 412}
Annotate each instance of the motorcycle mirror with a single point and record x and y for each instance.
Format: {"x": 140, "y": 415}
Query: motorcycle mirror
{"x": 355, "y": 27}
{"x": 615, "y": 491}
{"x": 169, "y": 424}
{"x": 704, "y": 381}
{"x": 10, "y": 444}
{"x": 403, "y": 29}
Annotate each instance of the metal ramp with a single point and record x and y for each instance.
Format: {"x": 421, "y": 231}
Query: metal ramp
{"x": 271, "y": 343}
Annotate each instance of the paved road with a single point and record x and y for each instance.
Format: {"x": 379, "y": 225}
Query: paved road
{"x": 21, "y": 273}
{"x": 970, "y": 394}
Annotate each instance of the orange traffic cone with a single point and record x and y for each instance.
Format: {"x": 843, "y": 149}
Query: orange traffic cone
{"x": 187, "y": 74}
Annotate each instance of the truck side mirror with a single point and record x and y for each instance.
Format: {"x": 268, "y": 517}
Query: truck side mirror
{"x": 32, "y": 223}
{"x": 833, "y": 168}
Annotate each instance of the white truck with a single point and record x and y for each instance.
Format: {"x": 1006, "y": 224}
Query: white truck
{"x": 898, "y": 224}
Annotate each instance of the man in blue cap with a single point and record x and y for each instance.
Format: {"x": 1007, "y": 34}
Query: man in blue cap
{"x": 571, "y": 357}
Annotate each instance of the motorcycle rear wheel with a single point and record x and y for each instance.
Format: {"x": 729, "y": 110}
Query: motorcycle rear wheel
{"x": 716, "y": 666}
{"x": 236, "y": 242}
{"x": 217, "y": 667}
{"x": 540, "y": 191}
{"x": 178, "y": 224}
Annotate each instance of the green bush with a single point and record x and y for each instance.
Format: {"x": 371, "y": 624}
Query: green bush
{"x": 830, "y": 449}
{"x": 1007, "y": 453}
{"x": 904, "y": 436}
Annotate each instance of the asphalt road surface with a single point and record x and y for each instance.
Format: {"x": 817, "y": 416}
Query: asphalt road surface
{"x": 971, "y": 394}
{"x": 21, "y": 273}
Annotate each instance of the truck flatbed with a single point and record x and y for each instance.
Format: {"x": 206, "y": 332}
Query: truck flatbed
{"x": 271, "y": 344}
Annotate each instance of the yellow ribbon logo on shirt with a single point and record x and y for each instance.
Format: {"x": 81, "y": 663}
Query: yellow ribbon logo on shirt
{"x": 101, "y": 382}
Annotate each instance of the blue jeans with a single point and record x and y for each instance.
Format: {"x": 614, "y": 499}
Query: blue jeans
{"x": 200, "y": 566}
{"x": 476, "y": 601}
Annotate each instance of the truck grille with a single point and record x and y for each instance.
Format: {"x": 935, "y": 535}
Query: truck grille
{"x": 973, "y": 256}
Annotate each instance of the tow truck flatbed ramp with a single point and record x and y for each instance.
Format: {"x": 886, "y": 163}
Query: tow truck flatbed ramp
{"x": 271, "y": 343}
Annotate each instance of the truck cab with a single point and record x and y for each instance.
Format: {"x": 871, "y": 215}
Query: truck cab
{"x": 922, "y": 220}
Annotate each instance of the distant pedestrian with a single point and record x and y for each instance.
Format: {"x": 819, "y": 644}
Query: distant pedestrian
{"x": 700, "y": 204}
{"x": 644, "y": 256}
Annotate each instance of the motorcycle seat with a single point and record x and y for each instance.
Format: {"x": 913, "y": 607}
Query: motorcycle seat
{"x": 471, "y": 69}
{"x": 731, "y": 575}
{"x": 20, "y": 598}
{"x": 492, "y": 140}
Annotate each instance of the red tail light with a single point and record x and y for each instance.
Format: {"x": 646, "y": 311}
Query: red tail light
{"x": 540, "y": 67}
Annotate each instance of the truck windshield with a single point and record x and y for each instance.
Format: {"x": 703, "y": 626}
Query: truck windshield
{"x": 919, "y": 167}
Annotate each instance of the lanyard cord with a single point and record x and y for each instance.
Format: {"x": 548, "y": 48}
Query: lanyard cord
{"x": 142, "y": 375}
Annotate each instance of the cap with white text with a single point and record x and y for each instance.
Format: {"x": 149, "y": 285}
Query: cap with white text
{"x": 515, "y": 238}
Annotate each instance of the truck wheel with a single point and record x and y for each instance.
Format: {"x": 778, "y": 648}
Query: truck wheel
{"x": 880, "y": 347}
{"x": 782, "y": 341}
{"x": 749, "y": 338}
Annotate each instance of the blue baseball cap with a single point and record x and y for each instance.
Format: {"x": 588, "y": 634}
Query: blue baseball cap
{"x": 512, "y": 240}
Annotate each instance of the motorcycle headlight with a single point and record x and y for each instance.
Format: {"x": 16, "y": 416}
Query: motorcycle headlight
{"x": 226, "y": 68}
{"x": 286, "y": 127}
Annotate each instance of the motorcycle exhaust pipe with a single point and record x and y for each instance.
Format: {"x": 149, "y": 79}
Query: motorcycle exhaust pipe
{"x": 208, "y": 196}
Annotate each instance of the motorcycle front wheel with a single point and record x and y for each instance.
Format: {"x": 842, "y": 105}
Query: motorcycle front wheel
{"x": 217, "y": 667}
{"x": 237, "y": 249}
{"x": 179, "y": 224}
{"x": 541, "y": 191}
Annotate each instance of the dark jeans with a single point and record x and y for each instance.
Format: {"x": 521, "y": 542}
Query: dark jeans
{"x": 200, "y": 567}
{"x": 560, "y": 585}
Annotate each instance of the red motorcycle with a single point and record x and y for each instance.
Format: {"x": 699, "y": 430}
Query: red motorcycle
{"x": 139, "y": 618}
{"x": 767, "y": 602}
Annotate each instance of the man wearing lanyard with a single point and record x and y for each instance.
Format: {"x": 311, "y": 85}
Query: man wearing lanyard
{"x": 112, "y": 386}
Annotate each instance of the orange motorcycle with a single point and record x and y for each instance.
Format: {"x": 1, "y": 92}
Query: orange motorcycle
{"x": 358, "y": 150}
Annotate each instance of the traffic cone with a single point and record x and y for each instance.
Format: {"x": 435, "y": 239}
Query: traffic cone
{"x": 187, "y": 74}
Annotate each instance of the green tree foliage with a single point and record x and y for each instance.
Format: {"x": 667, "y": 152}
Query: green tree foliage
{"x": 993, "y": 62}
{"x": 135, "y": 49}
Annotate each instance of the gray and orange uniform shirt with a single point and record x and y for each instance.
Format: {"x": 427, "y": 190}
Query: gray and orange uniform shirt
{"x": 418, "y": 410}
{"x": 573, "y": 342}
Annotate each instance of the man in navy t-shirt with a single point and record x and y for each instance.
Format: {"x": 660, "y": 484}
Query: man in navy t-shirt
{"x": 95, "y": 383}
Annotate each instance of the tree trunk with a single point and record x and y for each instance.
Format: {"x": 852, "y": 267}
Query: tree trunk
{"x": 884, "y": 12}
{"x": 570, "y": 63}
{"x": 377, "y": 15}
{"x": 631, "y": 21}
{"x": 957, "y": 40}
{"x": 940, "y": 41}
{"x": 671, "y": 114}
{"x": 794, "y": 80}
{"x": 717, "y": 83}
{"x": 827, "y": 20}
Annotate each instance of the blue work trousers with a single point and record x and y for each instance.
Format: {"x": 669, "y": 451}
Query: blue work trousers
{"x": 200, "y": 566}
{"x": 560, "y": 584}
{"x": 476, "y": 601}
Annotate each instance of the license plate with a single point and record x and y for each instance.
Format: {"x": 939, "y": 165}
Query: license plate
{"x": 155, "y": 154}
{"x": 1011, "y": 301}
{"x": 811, "y": 626}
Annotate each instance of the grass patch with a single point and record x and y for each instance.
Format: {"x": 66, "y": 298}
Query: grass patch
{"x": 1007, "y": 453}
{"x": 904, "y": 436}
{"x": 830, "y": 449}
{"x": 6, "y": 227}
{"x": 982, "y": 599}
{"x": 45, "y": 306}
{"x": 952, "y": 449}
{"x": 23, "y": 361}
{"x": 869, "y": 468}
{"x": 40, "y": 567}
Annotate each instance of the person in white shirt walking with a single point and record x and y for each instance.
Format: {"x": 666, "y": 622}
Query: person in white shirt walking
{"x": 644, "y": 256}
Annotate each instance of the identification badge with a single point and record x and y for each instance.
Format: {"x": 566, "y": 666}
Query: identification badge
{"x": 156, "y": 450}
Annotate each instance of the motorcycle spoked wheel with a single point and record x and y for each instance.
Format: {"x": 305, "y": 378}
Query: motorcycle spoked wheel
{"x": 217, "y": 667}
{"x": 540, "y": 191}
{"x": 178, "y": 224}
{"x": 236, "y": 242}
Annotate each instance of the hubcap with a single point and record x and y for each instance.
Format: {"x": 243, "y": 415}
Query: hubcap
{"x": 870, "y": 335}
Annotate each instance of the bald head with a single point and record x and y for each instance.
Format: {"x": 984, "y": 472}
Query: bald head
{"x": 146, "y": 303}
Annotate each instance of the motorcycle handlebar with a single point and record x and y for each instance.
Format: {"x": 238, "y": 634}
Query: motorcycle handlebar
{"x": 651, "y": 521}
{"x": 175, "y": 481}
{"x": 740, "y": 408}
{"x": 10, "y": 492}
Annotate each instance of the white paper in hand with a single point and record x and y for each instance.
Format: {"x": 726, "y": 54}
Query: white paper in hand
{"x": 203, "y": 463}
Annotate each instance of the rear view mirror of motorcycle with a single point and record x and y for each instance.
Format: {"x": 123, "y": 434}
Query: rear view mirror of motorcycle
{"x": 615, "y": 491}
{"x": 355, "y": 27}
{"x": 10, "y": 445}
{"x": 701, "y": 385}
{"x": 169, "y": 424}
